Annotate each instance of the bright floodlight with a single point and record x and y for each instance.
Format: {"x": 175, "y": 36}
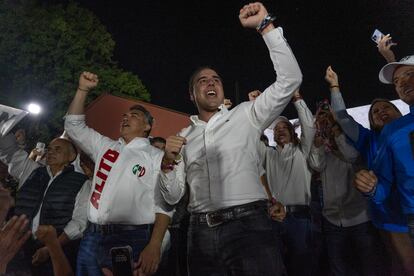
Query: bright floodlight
{"x": 34, "y": 108}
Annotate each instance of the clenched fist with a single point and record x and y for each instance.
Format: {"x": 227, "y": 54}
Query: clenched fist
{"x": 365, "y": 181}
{"x": 46, "y": 234}
{"x": 254, "y": 94}
{"x": 227, "y": 103}
{"x": 88, "y": 81}
{"x": 252, "y": 15}
{"x": 277, "y": 211}
{"x": 331, "y": 77}
{"x": 173, "y": 148}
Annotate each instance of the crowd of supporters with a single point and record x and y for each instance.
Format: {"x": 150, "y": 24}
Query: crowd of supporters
{"x": 216, "y": 199}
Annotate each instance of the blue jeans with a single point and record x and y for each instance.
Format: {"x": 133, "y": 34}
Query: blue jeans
{"x": 94, "y": 253}
{"x": 354, "y": 250}
{"x": 295, "y": 238}
{"x": 244, "y": 246}
{"x": 88, "y": 255}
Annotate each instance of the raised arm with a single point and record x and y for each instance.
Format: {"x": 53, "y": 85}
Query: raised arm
{"x": 274, "y": 99}
{"x": 347, "y": 123}
{"x": 317, "y": 156}
{"x": 306, "y": 121}
{"x": 347, "y": 150}
{"x": 86, "y": 138}
{"x": 384, "y": 48}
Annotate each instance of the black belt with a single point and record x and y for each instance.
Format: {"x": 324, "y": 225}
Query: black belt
{"x": 109, "y": 229}
{"x": 297, "y": 209}
{"x": 223, "y": 215}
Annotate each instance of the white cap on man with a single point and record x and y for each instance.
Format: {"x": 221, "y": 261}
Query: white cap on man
{"x": 387, "y": 72}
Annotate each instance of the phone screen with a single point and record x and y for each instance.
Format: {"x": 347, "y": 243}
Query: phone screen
{"x": 122, "y": 261}
{"x": 377, "y": 35}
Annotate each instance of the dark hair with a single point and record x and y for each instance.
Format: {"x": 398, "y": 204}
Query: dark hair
{"x": 148, "y": 117}
{"x": 370, "y": 117}
{"x": 195, "y": 73}
{"x": 157, "y": 139}
{"x": 293, "y": 135}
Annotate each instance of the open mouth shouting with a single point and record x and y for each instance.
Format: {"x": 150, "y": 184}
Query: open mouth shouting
{"x": 211, "y": 93}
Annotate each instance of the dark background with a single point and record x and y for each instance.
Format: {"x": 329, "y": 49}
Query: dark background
{"x": 164, "y": 41}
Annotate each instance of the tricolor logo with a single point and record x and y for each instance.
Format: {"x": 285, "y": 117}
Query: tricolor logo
{"x": 138, "y": 170}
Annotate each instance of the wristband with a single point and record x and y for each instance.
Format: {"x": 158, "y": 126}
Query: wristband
{"x": 84, "y": 90}
{"x": 265, "y": 22}
{"x": 333, "y": 86}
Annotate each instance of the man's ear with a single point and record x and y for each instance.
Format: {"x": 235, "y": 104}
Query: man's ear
{"x": 147, "y": 127}
{"x": 72, "y": 156}
{"x": 192, "y": 96}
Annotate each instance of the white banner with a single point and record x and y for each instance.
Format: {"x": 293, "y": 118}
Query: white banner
{"x": 9, "y": 117}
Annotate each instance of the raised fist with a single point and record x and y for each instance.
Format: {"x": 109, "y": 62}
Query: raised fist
{"x": 254, "y": 94}
{"x": 227, "y": 103}
{"x": 46, "y": 234}
{"x": 88, "y": 81}
{"x": 331, "y": 77}
{"x": 252, "y": 15}
{"x": 365, "y": 181}
{"x": 173, "y": 147}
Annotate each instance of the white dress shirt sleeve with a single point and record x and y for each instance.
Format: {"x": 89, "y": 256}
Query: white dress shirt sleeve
{"x": 161, "y": 206}
{"x": 306, "y": 121}
{"x": 349, "y": 152}
{"x": 89, "y": 140}
{"x": 75, "y": 227}
{"x": 172, "y": 184}
{"x": 274, "y": 99}
{"x": 317, "y": 158}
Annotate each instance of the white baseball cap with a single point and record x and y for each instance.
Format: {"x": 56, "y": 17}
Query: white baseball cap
{"x": 387, "y": 72}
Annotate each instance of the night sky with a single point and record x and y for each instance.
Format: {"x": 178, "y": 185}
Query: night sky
{"x": 164, "y": 41}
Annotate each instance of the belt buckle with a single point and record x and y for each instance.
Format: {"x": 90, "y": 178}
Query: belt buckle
{"x": 213, "y": 219}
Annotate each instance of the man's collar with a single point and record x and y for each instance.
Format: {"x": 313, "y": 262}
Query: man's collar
{"x": 221, "y": 110}
{"x": 135, "y": 141}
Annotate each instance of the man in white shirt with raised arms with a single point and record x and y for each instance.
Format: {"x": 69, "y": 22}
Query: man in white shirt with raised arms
{"x": 230, "y": 230}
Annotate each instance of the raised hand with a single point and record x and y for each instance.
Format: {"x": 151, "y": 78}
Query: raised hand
{"x": 252, "y": 15}
{"x": 384, "y": 47}
{"x": 365, "y": 181}
{"x": 227, "y": 103}
{"x": 87, "y": 81}
{"x": 254, "y": 94}
{"x": 12, "y": 237}
{"x": 331, "y": 77}
{"x": 172, "y": 148}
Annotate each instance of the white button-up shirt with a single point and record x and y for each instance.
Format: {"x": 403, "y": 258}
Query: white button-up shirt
{"x": 124, "y": 186}
{"x": 286, "y": 168}
{"x": 220, "y": 160}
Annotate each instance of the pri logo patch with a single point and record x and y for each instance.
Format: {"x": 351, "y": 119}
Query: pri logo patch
{"x": 138, "y": 170}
